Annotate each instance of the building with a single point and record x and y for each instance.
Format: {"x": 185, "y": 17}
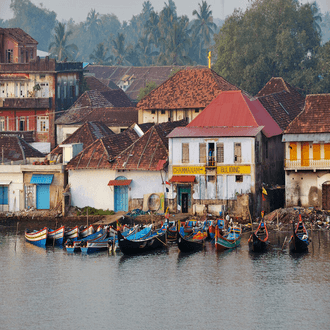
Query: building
{"x": 307, "y": 155}
{"x": 183, "y": 96}
{"x": 222, "y": 158}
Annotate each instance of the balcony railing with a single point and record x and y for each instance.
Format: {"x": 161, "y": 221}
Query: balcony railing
{"x": 306, "y": 164}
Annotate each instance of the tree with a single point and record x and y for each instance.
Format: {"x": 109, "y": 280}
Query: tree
{"x": 151, "y": 85}
{"x": 271, "y": 38}
{"x": 59, "y": 48}
{"x": 119, "y": 50}
{"x": 99, "y": 55}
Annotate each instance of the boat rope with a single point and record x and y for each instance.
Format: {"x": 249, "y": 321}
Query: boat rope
{"x": 161, "y": 241}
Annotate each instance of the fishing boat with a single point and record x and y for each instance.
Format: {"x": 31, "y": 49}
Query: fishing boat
{"x": 172, "y": 231}
{"x": 154, "y": 240}
{"x": 74, "y": 246}
{"x": 228, "y": 241}
{"x": 258, "y": 241}
{"x": 87, "y": 231}
{"x": 38, "y": 238}
{"x": 190, "y": 243}
{"x": 299, "y": 240}
{"x": 72, "y": 233}
{"x": 56, "y": 236}
{"x": 211, "y": 229}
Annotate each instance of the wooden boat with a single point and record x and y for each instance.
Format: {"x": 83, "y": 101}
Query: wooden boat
{"x": 74, "y": 246}
{"x": 155, "y": 240}
{"x": 228, "y": 241}
{"x": 87, "y": 231}
{"x": 299, "y": 240}
{"x": 190, "y": 243}
{"x": 72, "y": 233}
{"x": 211, "y": 229}
{"x": 56, "y": 236}
{"x": 258, "y": 241}
{"x": 38, "y": 238}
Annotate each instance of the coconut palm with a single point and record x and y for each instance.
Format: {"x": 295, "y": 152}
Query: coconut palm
{"x": 59, "y": 48}
{"x": 99, "y": 55}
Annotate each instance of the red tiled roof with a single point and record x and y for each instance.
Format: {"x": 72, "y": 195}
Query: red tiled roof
{"x": 276, "y": 85}
{"x": 18, "y": 35}
{"x": 183, "y": 178}
{"x": 314, "y": 118}
{"x": 187, "y": 89}
{"x": 86, "y": 134}
{"x": 235, "y": 109}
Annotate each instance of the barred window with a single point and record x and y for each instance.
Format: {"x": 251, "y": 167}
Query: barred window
{"x": 237, "y": 153}
{"x": 185, "y": 152}
{"x": 220, "y": 153}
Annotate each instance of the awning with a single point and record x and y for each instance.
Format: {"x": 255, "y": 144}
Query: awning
{"x": 183, "y": 178}
{"x": 5, "y": 182}
{"x": 42, "y": 178}
{"x": 119, "y": 182}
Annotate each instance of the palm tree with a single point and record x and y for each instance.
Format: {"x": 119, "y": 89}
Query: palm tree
{"x": 145, "y": 50}
{"x": 59, "y": 48}
{"x": 119, "y": 50}
{"x": 203, "y": 25}
{"x": 99, "y": 55}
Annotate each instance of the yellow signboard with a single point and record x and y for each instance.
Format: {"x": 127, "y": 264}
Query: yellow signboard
{"x": 188, "y": 170}
{"x": 243, "y": 169}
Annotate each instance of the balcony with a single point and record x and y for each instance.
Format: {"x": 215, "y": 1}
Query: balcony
{"x": 26, "y": 103}
{"x": 307, "y": 164}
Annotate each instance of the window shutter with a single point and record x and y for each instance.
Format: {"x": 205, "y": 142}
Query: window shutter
{"x": 237, "y": 153}
{"x": 220, "y": 153}
{"x": 185, "y": 152}
{"x": 202, "y": 153}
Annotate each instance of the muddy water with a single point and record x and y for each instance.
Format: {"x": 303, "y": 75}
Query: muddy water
{"x": 49, "y": 289}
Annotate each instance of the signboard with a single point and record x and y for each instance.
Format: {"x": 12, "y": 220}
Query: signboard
{"x": 243, "y": 169}
{"x": 188, "y": 170}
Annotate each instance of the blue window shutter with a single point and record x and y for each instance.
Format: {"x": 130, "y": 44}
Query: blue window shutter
{"x": 3, "y": 195}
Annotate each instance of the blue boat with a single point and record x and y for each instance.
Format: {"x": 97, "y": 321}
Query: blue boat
{"x": 228, "y": 241}
{"x": 38, "y": 238}
{"x": 74, "y": 246}
{"x": 56, "y": 236}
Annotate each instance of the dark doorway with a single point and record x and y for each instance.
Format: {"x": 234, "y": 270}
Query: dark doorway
{"x": 326, "y": 196}
{"x": 184, "y": 203}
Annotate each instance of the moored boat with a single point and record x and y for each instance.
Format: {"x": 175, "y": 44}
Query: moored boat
{"x": 191, "y": 243}
{"x": 74, "y": 246}
{"x": 56, "y": 236}
{"x": 228, "y": 241}
{"x": 72, "y": 233}
{"x": 38, "y": 238}
{"x": 258, "y": 241}
{"x": 87, "y": 231}
{"x": 299, "y": 240}
{"x": 211, "y": 229}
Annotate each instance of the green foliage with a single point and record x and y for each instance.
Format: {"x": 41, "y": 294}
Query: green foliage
{"x": 92, "y": 211}
{"x": 270, "y": 39}
{"x": 146, "y": 90}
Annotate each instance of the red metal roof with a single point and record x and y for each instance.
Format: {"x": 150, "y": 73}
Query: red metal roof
{"x": 234, "y": 109}
{"x": 119, "y": 182}
{"x": 182, "y": 178}
{"x": 214, "y": 131}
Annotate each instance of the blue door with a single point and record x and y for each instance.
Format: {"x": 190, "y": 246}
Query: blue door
{"x": 121, "y": 198}
{"x": 43, "y": 197}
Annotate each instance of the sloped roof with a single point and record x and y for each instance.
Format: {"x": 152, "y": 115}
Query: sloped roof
{"x": 95, "y": 84}
{"x": 314, "y": 117}
{"x": 146, "y": 152}
{"x": 187, "y": 89}
{"x": 282, "y": 101}
{"x": 138, "y": 76}
{"x": 233, "y": 109}
{"x": 15, "y": 148}
{"x": 99, "y": 153}
{"x": 86, "y": 134}
{"x": 18, "y": 35}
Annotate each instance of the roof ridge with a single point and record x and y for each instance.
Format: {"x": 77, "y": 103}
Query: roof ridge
{"x": 250, "y": 109}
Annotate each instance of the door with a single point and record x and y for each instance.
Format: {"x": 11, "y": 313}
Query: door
{"x": 121, "y": 198}
{"x": 43, "y": 197}
{"x": 326, "y": 196}
{"x": 184, "y": 203}
{"x": 305, "y": 154}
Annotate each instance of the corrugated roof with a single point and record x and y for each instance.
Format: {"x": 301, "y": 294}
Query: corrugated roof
{"x": 187, "y": 89}
{"x": 234, "y": 109}
{"x": 314, "y": 118}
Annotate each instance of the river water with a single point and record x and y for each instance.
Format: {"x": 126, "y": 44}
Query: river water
{"x": 50, "y": 289}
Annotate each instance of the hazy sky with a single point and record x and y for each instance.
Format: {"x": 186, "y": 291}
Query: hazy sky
{"x": 124, "y": 9}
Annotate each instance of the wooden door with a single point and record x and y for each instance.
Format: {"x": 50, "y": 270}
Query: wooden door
{"x": 305, "y": 154}
{"x": 326, "y": 196}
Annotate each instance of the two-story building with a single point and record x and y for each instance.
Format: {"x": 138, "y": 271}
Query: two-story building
{"x": 307, "y": 155}
{"x": 221, "y": 160}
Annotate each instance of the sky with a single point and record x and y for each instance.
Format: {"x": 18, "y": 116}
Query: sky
{"x": 125, "y": 9}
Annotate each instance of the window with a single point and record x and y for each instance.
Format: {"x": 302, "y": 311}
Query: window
{"x": 22, "y": 123}
{"x": 257, "y": 153}
{"x": 3, "y": 195}
{"x": 72, "y": 91}
{"x": 185, "y": 152}
{"x": 163, "y": 112}
{"x": 2, "y": 124}
{"x": 238, "y": 178}
{"x": 196, "y": 110}
{"x": 316, "y": 151}
{"x": 153, "y": 112}
{"x": 237, "y": 153}
{"x": 9, "y": 56}
{"x": 58, "y": 90}
{"x": 293, "y": 151}
{"x": 42, "y": 123}
{"x": 202, "y": 153}
{"x": 327, "y": 151}
{"x": 220, "y": 154}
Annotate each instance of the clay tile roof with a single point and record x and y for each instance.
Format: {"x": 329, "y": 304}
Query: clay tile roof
{"x": 282, "y": 101}
{"x": 100, "y": 152}
{"x": 18, "y": 35}
{"x": 95, "y": 84}
{"x": 146, "y": 152}
{"x": 86, "y": 134}
{"x": 314, "y": 117}
{"x": 187, "y": 89}
{"x": 15, "y": 149}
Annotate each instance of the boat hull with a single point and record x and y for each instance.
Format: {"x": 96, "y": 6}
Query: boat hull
{"x": 189, "y": 245}
{"x": 56, "y": 236}
{"x": 297, "y": 245}
{"x": 38, "y": 238}
{"x": 222, "y": 244}
{"x": 257, "y": 245}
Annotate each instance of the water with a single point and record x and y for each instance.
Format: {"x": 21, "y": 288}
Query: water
{"x": 50, "y": 289}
